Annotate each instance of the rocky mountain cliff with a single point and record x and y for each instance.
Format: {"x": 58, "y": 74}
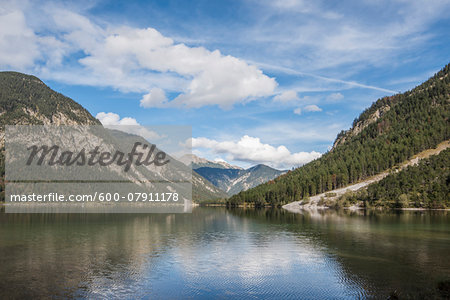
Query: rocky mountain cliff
{"x": 26, "y": 100}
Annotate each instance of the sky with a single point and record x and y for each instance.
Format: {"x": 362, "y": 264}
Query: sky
{"x": 259, "y": 81}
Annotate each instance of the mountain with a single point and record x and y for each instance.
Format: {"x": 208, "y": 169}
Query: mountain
{"x": 26, "y": 100}
{"x": 202, "y": 189}
{"x": 197, "y": 162}
{"x": 389, "y": 132}
{"x": 232, "y": 181}
{"x": 423, "y": 185}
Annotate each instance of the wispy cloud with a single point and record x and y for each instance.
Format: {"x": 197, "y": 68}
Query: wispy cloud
{"x": 312, "y": 108}
{"x": 286, "y": 96}
{"x": 298, "y": 111}
{"x": 291, "y": 71}
{"x": 353, "y": 33}
{"x": 334, "y": 97}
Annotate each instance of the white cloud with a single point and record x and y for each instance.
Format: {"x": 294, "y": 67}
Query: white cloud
{"x": 126, "y": 124}
{"x": 19, "y": 45}
{"x": 287, "y": 96}
{"x": 252, "y": 150}
{"x": 298, "y": 111}
{"x": 213, "y": 79}
{"x": 39, "y": 36}
{"x": 128, "y": 59}
{"x": 155, "y": 98}
{"x": 335, "y": 97}
{"x": 312, "y": 108}
{"x": 114, "y": 119}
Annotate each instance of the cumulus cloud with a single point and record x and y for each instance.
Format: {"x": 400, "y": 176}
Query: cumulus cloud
{"x": 128, "y": 59}
{"x": 252, "y": 150}
{"x": 335, "y": 97}
{"x": 286, "y": 96}
{"x": 312, "y": 108}
{"x": 19, "y": 43}
{"x": 298, "y": 111}
{"x": 114, "y": 119}
{"x": 155, "y": 98}
{"x": 127, "y": 124}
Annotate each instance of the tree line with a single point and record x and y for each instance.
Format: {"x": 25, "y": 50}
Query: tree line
{"x": 414, "y": 121}
{"x": 426, "y": 185}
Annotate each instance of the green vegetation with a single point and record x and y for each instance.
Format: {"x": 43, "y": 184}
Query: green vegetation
{"x": 205, "y": 192}
{"x": 389, "y": 132}
{"x": 235, "y": 180}
{"x": 426, "y": 185}
{"x": 25, "y": 99}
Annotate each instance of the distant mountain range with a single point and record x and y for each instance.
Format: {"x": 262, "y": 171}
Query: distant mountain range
{"x": 196, "y": 162}
{"x": 229, "y": 178}
{"x": 233, "y": 181}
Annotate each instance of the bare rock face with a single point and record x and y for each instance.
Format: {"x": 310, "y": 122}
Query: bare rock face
{"x": 26, "y": 100}
{"x": 360, "y": 125}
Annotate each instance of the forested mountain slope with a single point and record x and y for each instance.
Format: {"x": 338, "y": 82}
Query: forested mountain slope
{"x": 389, "y": 132}
{"x": 355, "y": 195}
{"x": 25, "y": 99}
{"x": 425, "y": 185}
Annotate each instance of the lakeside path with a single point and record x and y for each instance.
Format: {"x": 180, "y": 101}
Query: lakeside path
{"x": 297, "y": 206}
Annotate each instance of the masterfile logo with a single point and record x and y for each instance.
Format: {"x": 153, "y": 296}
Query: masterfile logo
{"x": 94, "y": 166}
{"x": 94, "y": 157}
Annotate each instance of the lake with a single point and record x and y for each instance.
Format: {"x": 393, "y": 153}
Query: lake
{"x": 215, "y": 252}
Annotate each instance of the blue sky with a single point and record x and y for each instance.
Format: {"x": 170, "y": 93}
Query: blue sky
{"x": 260, "y": 81}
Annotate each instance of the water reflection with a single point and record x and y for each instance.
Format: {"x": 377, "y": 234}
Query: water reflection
{"x": 401, "y": 252}
{"x": 229, "y": 253}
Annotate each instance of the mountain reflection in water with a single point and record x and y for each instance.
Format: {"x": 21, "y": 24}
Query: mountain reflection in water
{"x": 228, "y": 253}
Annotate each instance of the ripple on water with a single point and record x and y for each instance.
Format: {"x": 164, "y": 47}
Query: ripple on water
{"x": 219, "y": 254}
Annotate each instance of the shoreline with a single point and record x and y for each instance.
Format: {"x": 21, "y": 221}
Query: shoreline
{"x": 303, "y": 208}
{"x": 313, "y": 203}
